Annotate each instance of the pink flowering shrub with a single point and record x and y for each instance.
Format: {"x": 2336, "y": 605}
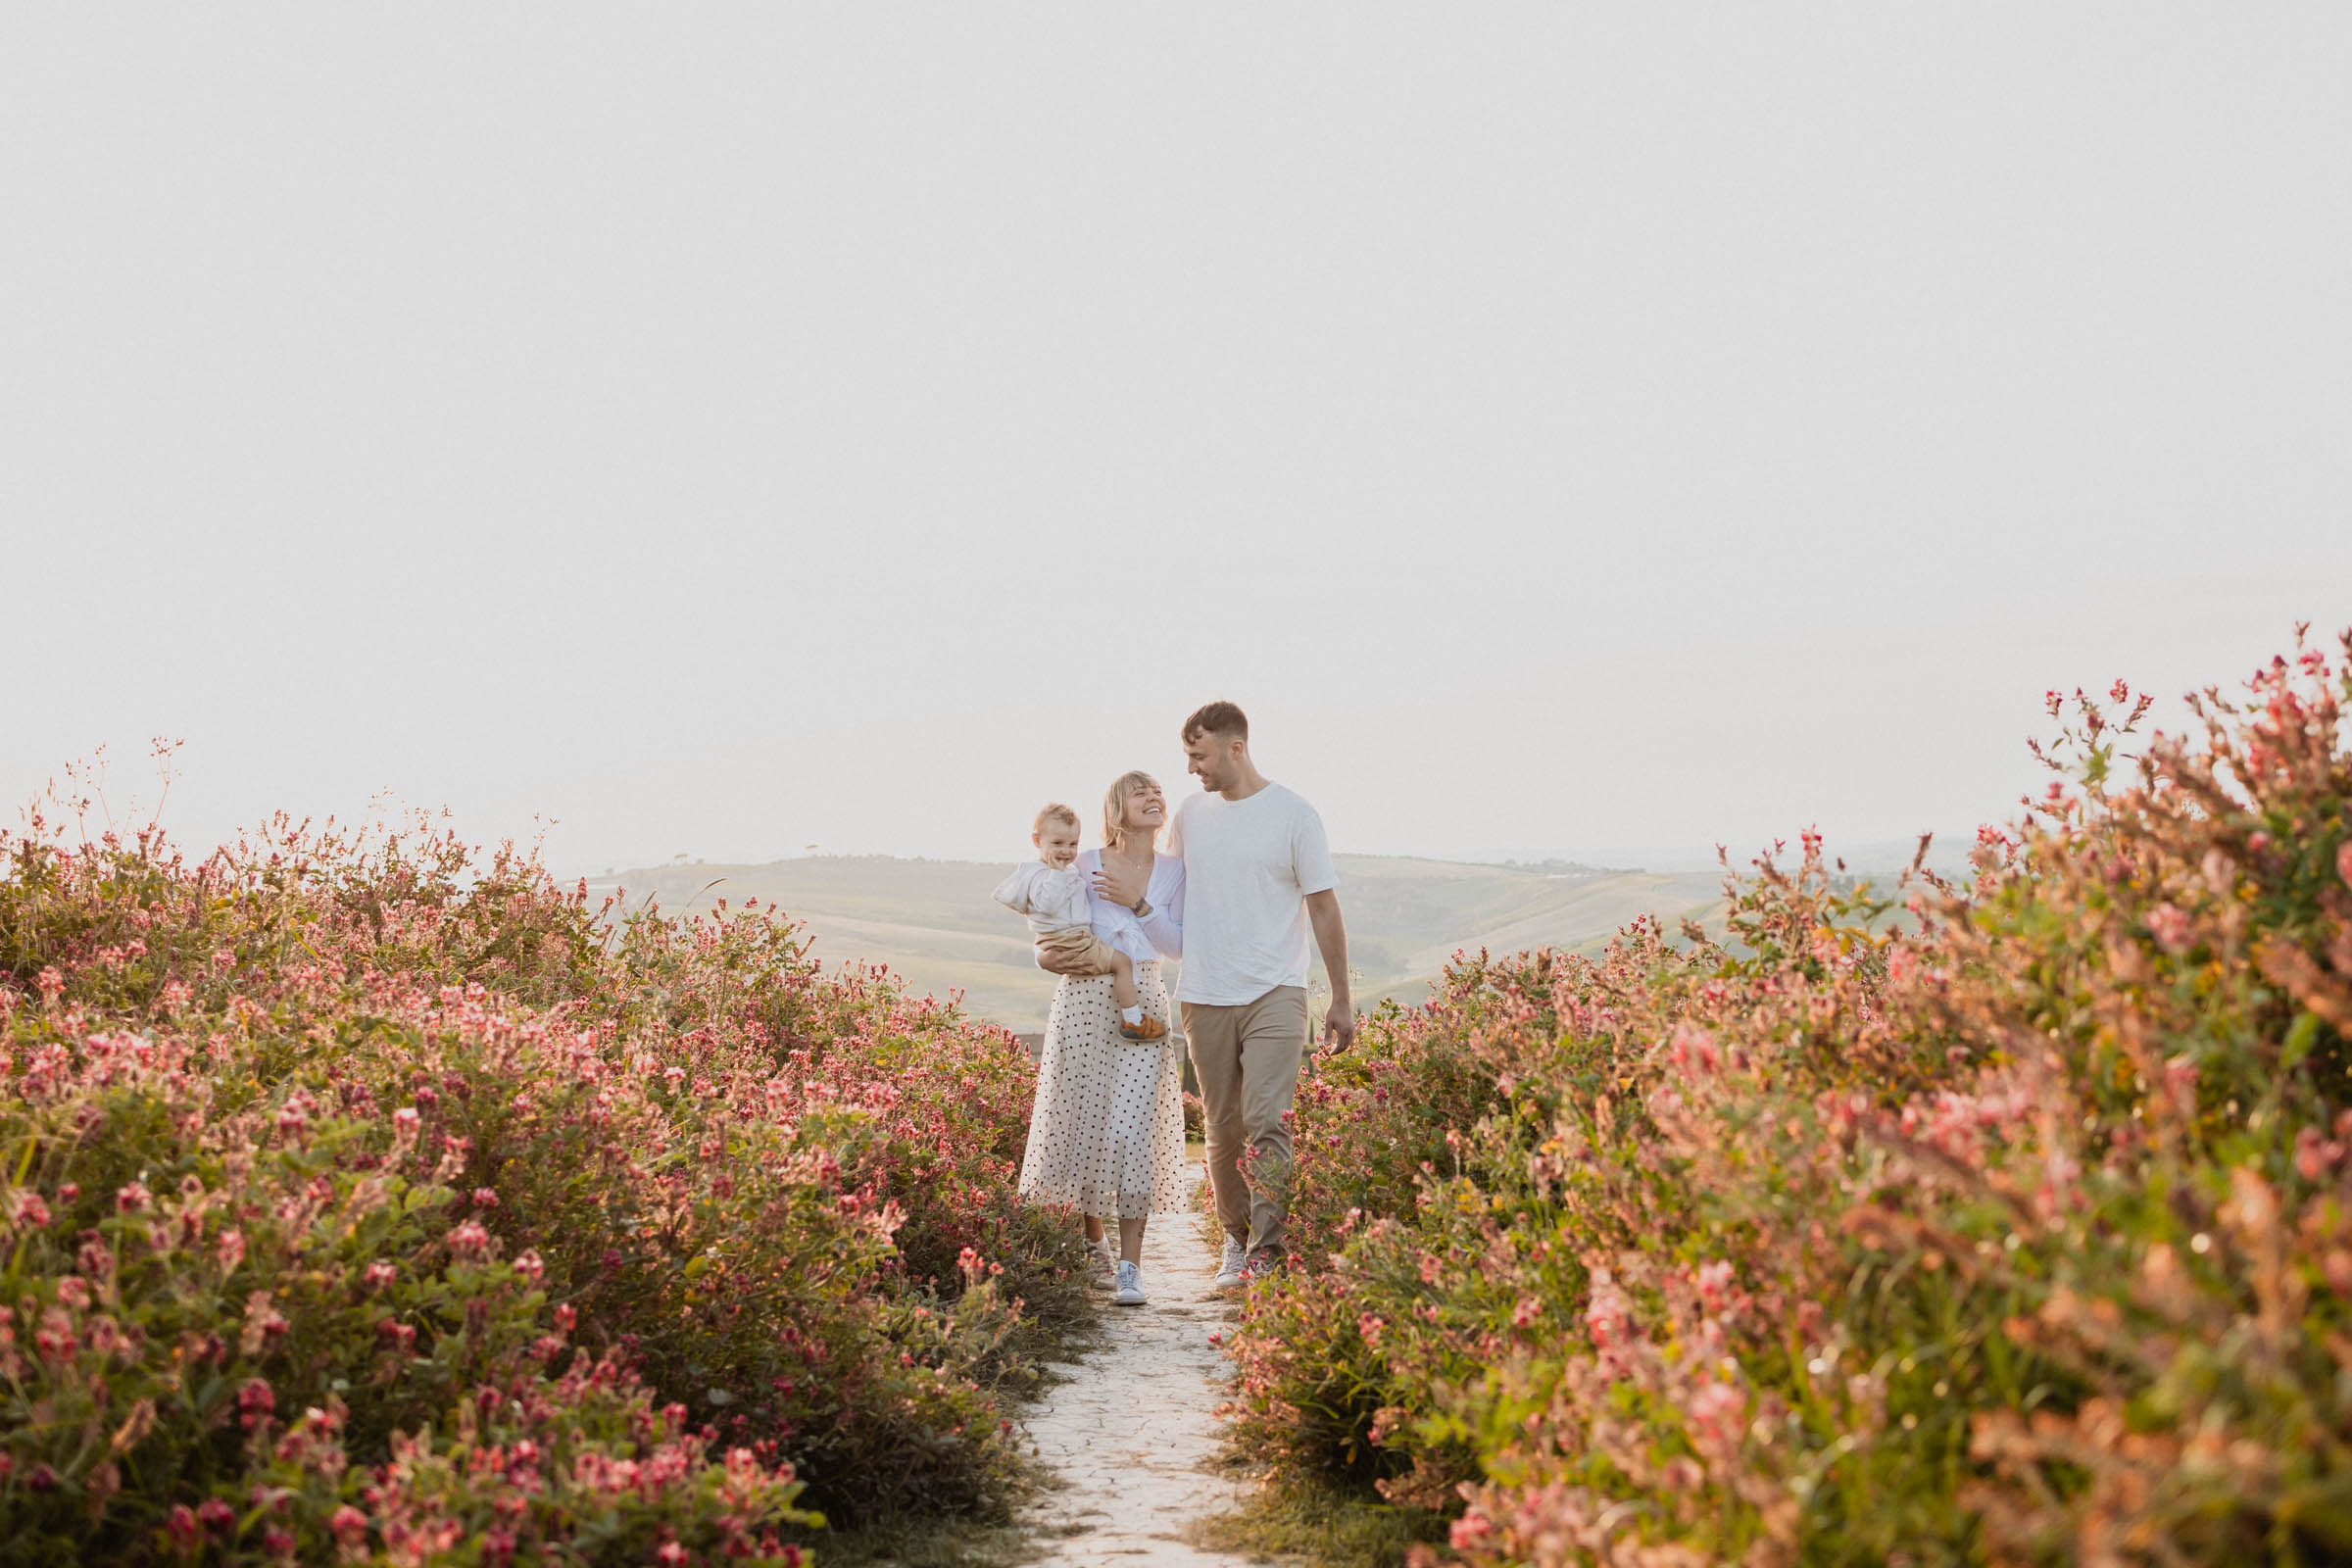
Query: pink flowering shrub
{"x": 363, "y": 1201}
{"x": 2018, "y": 1230}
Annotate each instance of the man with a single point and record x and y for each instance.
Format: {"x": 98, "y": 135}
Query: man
{"x": 1257, "y": 877}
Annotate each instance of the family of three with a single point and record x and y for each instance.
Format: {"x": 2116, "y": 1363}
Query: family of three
{"x": 1232, "y": 887}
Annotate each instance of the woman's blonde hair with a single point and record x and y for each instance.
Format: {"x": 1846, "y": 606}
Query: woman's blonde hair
{"x": 1114, "y": 806}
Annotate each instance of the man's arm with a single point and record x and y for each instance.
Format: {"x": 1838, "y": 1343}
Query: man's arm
{"x": 1331, "y": 937}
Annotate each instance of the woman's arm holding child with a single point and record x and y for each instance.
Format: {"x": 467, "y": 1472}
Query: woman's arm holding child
{"x": 1164, "y": 925}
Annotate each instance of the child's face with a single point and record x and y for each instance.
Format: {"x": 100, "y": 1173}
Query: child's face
{"x": 1057, "y": 844}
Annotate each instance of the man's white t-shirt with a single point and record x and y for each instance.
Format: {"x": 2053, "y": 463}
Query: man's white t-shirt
{"x": 1249, "y": 866}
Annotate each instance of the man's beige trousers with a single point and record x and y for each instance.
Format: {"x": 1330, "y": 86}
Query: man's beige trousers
{"x": 1247, "y": 1058}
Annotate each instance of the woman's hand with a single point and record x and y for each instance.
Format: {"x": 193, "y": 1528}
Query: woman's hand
{"x": 1120, "y": 884}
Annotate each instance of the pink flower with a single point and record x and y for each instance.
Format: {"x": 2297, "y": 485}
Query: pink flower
{"x": 264, "y": 1325}
{"x": 1714, "y": 1282}
{"x": 1691, "y": 1043}
{"x": 469, "y": 1240}
{"x": 132, "y": 1196}
{"x": 255, "y": 1402}
{"x": 1716, "y": 1412}
{"x": 350, "y": 1525}
{"x": 1605, "y": 1318}
{"x": 377, "y": 1275}
{"x": 2169, "y": 926}
{"x": 2316, "y": 1155}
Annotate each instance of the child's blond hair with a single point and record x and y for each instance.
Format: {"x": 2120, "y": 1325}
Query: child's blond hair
{"x": 1053, "y": 811}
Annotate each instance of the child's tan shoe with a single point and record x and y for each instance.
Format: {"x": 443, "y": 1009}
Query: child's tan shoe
{"x": 1149, "y": 1030}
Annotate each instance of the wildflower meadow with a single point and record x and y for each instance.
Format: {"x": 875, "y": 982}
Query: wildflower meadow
{"x": 368, "y": 1199}
{"x": 1996, "y": 1219}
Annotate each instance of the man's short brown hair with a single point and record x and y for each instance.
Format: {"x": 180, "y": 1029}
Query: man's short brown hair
{"x": 1219, "y": 717}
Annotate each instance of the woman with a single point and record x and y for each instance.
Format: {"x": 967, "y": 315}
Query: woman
{"x": 1106, "y": 1136}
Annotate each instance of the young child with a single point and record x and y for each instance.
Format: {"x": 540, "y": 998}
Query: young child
{"x": 1051, "y": 892}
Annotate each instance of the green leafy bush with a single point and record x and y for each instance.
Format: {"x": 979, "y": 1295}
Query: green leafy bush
{"x": 2016, "y": 1228}
{"x": 366, "y": 1199}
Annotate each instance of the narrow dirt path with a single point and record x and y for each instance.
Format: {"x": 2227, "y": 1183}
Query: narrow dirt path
{"x": 1131, "y": 1433}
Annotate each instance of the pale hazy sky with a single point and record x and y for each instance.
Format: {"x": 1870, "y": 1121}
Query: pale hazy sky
{"x": 1563, "y": 428}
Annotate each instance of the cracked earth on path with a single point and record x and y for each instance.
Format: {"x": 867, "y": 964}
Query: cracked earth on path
{"x": 1133, "y": 1433}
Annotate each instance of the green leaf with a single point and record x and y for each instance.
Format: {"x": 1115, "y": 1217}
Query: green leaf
{"x": 2299, "y": 1038}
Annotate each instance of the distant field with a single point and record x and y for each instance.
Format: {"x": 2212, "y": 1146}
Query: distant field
{"x": 934, "y": 923}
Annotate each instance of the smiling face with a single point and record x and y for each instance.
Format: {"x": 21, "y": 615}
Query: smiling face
{"x": 1056, "y": 842}
{"x": 1214, "y": 758}
{"x": 1134, "y": 810}
{"x": 1147, "y": 811}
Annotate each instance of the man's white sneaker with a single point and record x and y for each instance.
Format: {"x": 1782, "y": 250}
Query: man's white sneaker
{"x": 1131, "y": 1285}
{"x": 1229, "y": 1269}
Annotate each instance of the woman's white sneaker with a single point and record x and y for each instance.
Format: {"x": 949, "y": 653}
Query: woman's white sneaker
{"x": 1106, "y": 1272}
{"x": 1131, "y": 1285}
{"x": 1229, "y": 1269}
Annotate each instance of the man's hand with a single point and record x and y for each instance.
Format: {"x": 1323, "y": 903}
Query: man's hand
{"x": 1338, "y": 1026}
{"x": 1118, "y": 883}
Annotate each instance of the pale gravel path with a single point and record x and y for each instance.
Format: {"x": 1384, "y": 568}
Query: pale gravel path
{"x": 1133, "y": 1430}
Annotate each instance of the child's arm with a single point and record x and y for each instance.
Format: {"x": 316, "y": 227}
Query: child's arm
{"x": 1017, "y": 891}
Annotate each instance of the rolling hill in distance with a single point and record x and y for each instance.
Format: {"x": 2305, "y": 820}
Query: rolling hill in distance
{"x": 933, "y": 922}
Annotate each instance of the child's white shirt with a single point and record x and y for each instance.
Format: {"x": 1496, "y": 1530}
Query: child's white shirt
{"x": 1054, "y": 897}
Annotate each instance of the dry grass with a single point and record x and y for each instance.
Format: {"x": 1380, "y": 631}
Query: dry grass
{"x": 934, "y": 923}
{"x": 1316, "y": 1526}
